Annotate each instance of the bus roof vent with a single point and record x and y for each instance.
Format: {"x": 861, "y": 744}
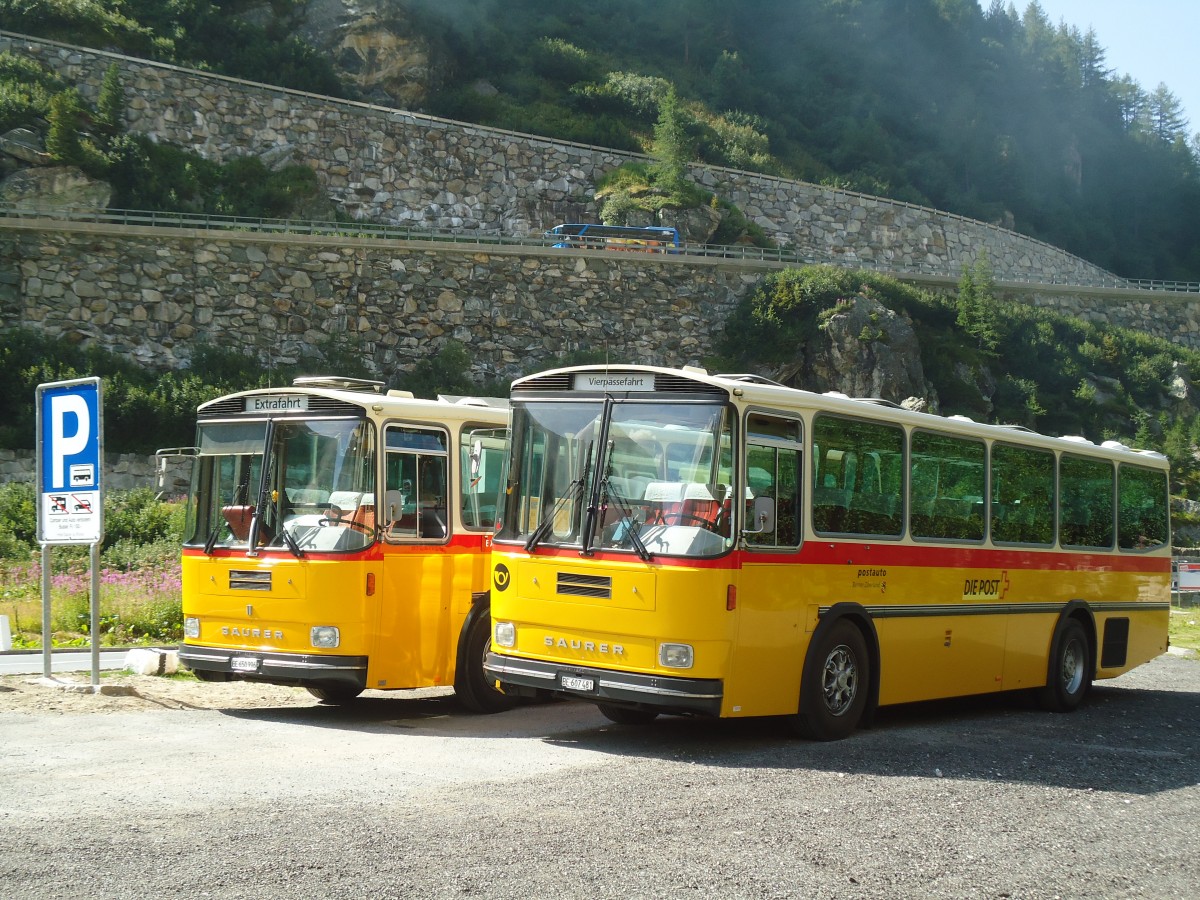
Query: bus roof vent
{"x": 487, "y": 402}
{"x": 1017, "y": 428}
{"x": 961, "y": 419}
{"x": 1114, "y": 445}
{"x": 401, "y": 395}
{"x": 752, "y": 379}
{"x": 339, "y": 383}
{"x": 837, "y": 395}
{"x": 879, "y": 401}
{"x": 1077, "y": 439}
{"x": 695, "y": 370}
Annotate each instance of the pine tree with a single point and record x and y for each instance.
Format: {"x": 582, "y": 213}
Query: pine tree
{"x": 62, "y": 138}
{"x": 110, "y": 105}
{"x": 672, "y": 149}
{"x": 977, "y": 313}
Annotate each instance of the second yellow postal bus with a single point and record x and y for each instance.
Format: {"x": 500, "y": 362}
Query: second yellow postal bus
{"x": 337, "y": 539}
{"x": 677, "y": 542}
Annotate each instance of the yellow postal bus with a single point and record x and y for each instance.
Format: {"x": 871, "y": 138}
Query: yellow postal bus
{"x": 677, "y": 542}
{"x": 337, "y": 539}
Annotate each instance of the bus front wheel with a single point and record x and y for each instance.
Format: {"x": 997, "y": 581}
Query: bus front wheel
{"x": 471, "y": 685}
{"x": 834, "y": 693}
{"x": 1070, "y": 673}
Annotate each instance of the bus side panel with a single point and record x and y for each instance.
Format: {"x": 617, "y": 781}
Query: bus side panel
{"x": 771, "y": 639}
{"x": 939, "y": 656}
{"x": 1146, "y": 638}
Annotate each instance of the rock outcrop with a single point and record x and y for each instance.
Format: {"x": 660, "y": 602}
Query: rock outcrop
{"x": 865, "y": 350}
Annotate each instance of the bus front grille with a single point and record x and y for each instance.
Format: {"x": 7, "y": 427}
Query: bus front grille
{"x": 572, "y": 585}
{"x": 249, "y": 580}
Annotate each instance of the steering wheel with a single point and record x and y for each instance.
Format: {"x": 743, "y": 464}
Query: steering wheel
{"x": 335, "y": 516}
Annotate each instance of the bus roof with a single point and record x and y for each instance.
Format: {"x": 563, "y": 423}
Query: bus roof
{"x": 366, "y": 395}
{"x": 754, "y": 390}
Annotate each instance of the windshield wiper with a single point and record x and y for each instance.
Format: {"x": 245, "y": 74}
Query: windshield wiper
{"x": 573, "y": 492}
{"x": 628, "y": 519}
{"x": 291, "y": 543}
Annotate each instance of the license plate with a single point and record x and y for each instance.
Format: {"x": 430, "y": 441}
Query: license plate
{"x": 571, "y": 683}
{"x": 244, "y": 664}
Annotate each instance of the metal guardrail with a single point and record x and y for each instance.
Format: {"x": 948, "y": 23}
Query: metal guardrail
{"x": 745, "y": 252}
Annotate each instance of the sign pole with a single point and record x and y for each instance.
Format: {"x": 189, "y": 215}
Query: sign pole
{"x": 46, "y": 628}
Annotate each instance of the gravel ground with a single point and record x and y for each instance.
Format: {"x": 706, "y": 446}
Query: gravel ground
{"x": 185, "y": 790}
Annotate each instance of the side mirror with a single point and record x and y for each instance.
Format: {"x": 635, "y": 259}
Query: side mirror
{"x": 763, "y": 516}
{"x": 476, "y": 457}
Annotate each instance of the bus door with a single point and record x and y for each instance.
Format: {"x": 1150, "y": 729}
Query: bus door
{"x": 771, "y": 590}
{"x": 416, "y": 619}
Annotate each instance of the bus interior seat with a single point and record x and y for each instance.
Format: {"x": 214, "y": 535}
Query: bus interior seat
{"x": 238, "y": 519}
{"x": 433, "y": 522}
{"x": 830, "y": 507}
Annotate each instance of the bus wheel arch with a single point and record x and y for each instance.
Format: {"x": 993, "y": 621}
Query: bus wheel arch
{"x": 472, "y": 687}
{"x": 839, "y": 686}
{"x": 1071, "y": 664}
{"x": 334, "y": 694}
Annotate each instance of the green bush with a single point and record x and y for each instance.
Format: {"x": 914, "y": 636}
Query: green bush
{"x": 18, "y": 520}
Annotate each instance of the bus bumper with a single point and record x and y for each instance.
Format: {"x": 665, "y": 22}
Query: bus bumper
{"x": 668, "y": 694}
{"x": 302, "y": 669}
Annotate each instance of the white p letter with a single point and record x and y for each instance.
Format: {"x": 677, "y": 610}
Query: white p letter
{"x": 67, "y": 445}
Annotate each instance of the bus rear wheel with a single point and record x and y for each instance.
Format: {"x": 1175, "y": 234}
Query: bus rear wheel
{"x": 472, "y": 687}
{"x": 833, "y": 699}
{"x": 1070, "y": 673}
{"x": 626, "y": 715}
{"x": 334, "y": 695}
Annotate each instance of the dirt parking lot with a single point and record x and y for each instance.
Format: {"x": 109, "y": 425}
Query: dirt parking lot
{"x": 184, "y": 789}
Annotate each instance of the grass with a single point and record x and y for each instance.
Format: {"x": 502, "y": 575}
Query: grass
{"x": 140, "y": 606}
{"x": 1184, "y": 629}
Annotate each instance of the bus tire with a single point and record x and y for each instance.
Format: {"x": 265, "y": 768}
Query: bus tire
{"x": 832, "y": 700}
{"x": 1070, "y": 674}
{"x": 472, "y": 687}
{"x": 334, "y": 695}
{"x": 626, "y": 715}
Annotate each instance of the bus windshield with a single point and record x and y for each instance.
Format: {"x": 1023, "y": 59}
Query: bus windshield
{"x": 642, "y": 477}
{"x": 315, "y": 491}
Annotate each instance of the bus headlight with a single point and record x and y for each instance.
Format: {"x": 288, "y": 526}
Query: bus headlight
{"x": 504, "y": 634}
{"x": 191, "y": 627}
{"x": 675, "y": 656}
{"x": 325, "y": 636}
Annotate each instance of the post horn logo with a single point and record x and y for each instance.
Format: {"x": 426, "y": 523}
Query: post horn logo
{"x": 501, "y": 577}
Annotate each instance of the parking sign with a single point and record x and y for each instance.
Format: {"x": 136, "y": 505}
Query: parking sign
{"x": 70, "y": 461}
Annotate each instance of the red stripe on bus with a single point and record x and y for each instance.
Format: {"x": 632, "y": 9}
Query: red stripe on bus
{"x": 863, "y": 553}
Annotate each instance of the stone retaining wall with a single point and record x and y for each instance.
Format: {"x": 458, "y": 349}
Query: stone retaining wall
{"x": 155, "y": 293}
{"x": 122, "y": 471}
{"x": 405, "y": 168}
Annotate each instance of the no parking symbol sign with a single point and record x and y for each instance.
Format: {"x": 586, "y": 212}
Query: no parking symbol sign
{"x": 70, "y": 455}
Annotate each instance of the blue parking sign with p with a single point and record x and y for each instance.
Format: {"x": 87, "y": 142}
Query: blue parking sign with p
{"x": 70, "y": 469}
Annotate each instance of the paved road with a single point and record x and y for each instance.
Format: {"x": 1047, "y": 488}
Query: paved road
{"x": 22, "y": 662}
{"x": 405, "y": 796}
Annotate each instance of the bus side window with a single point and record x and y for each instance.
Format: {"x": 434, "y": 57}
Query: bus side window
{"x": 416, "y": 484}
{"x": 773, "y": 474}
